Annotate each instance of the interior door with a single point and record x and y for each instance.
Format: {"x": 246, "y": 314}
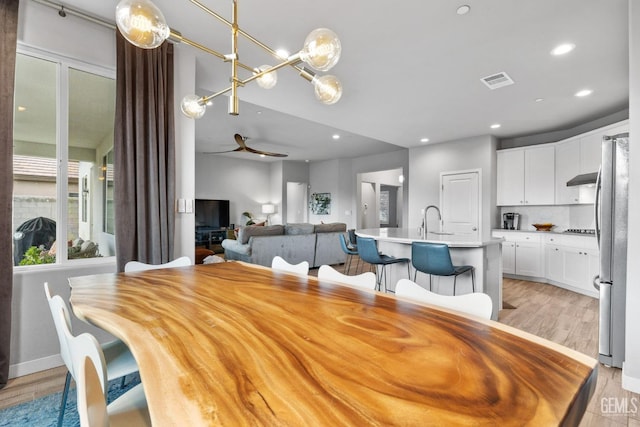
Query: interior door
{"x": 459, "y": 198}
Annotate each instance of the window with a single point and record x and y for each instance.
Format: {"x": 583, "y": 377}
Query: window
{"x": 63, "y": 128}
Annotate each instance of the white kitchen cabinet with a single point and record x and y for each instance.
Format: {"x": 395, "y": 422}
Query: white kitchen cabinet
{"x": 567, "y": 166}
{"x": 526, "y": 176}
{"x": 565, "y": 260}
{"x": 554, "y": 263}
{"x": 580, "y": 155}
{"x": 510, "y": 175}
{"x": 576, "y": 267}
{"x": 509, "y": 257}
{"x": 528, "y": 261}
{"x": 521, "y": 254}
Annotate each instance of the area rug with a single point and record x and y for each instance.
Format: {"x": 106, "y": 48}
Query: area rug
{"x": 43, "y": 412}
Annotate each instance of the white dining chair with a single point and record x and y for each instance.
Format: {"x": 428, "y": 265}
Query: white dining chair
{"x": 476, "y": 304}
{"x": 132, "y": 266}
{"x": 128, "y": 410}
{"x": 279, "y": 263}
{"x": 365, "y": 280}
{"x": 119, "y": 360}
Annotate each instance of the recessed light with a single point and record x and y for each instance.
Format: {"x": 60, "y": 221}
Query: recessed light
{"x": 539, "y": 99}
{"x": 22, "y": 108}
{"x": 584, "y": 92}
{"x": 463, "y": 10}
{"x": 563, "y": 49}
{"x": 306, "y": 160}
{"x": 495, "y": 126}
{"x": 335, "y": 136}
{"x": 258, "y": 112}
{"x": 424, "y": 140}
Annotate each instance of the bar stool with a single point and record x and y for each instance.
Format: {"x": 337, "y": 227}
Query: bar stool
{"x": 368, "y": 251}
{"x": 435, "y": 259}
{"x": 351, "y": 252}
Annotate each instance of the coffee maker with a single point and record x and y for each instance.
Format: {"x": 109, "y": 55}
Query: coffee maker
{"x": 511, "y": 221}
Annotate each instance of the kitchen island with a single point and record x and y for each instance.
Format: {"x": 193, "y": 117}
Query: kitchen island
{"x": 484, "y": 255}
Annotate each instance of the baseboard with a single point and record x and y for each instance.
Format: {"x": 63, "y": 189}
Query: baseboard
{"x": 33, "y": 366}
{"x": 628, "y": 382}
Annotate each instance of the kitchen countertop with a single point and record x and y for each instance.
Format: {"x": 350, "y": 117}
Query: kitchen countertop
{"x": 409, "y": 235}
{"x": 563, "y": 233}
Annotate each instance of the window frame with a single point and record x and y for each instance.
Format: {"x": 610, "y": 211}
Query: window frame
{"x": 63, "y": 65}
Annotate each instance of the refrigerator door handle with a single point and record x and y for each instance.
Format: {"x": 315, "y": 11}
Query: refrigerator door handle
{"x": 604, "y": 342}
{"x": 596, "y": 282}
{"x": 597, "y": 206}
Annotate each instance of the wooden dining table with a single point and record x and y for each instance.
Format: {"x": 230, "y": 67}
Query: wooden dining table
{"x": 234, "y": 344}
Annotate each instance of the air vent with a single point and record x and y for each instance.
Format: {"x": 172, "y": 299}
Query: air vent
{"x": 497, "y": 80}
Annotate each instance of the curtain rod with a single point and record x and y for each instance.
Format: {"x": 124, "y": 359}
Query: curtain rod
{"x": 78, "y": 13}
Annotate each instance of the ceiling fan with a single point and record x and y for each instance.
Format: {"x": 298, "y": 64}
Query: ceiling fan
{"x": 241, "y": 141}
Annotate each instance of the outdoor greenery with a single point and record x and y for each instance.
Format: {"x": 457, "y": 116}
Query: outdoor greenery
{"x": 37, "y": 255}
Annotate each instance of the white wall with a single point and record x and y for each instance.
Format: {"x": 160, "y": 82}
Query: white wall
{"x": 245, "y": 183}
{"x": 324, "y": 177}
{"x": 631, "y": 367}
{"x": 426, "y": 163}
{"x": 34, "y": 344}
{"x": 185, "y": 136}
{"x": 278, "y": 191}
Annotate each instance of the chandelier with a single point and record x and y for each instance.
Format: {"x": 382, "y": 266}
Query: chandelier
{"x": 142, "y": 24}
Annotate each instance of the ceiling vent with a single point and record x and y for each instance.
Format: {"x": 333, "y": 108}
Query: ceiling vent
{"x": 497, "y": 80}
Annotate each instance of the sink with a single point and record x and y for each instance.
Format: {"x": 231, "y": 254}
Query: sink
{"x": 441, "y": 233}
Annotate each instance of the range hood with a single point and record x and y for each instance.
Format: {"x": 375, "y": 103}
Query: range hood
{"x": 585, "y": 178}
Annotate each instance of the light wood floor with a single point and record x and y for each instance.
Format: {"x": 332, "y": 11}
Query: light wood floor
{"x": 553, "y": 313}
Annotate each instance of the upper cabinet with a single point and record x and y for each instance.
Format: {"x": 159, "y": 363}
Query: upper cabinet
{"x": 538, "y": 174}
{"x": 579, "y": 155}
{"x": 526, "y": 176}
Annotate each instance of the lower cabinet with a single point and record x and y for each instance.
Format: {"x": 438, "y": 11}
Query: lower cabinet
{"x": 567, "y": 261}
{"x": 521, "y": 254}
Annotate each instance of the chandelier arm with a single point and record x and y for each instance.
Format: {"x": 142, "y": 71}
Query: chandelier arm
{"x": 242, "y": 32}
{"x": 177, "y": 37}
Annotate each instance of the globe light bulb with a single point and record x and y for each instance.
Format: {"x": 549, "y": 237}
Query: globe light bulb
{"x": 267, "y": 80}
{"x": 328, "y": 89}
{"x": 142, "y": 23}
{"x": 321, "y": 49}
{"x": 192, "y": 107}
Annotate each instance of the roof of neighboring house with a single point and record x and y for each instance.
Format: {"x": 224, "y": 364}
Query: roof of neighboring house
{"x": 44, "y": 167}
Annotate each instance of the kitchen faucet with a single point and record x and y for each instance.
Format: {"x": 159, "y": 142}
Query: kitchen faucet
{"x": 424, "y": 219}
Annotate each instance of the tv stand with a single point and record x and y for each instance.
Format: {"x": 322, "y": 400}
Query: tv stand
{"x": 211, "y": 238}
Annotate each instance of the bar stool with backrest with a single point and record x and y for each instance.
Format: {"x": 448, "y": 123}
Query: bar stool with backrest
{"x": 368, "y": 251}
{"x": 434, "y": 259}
{"x": 350, "y": 251}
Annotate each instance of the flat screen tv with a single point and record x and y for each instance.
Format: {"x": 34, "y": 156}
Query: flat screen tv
{"x": 212, "y": 213}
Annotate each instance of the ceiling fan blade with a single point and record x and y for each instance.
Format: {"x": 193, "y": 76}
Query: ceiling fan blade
{"x": 265, "y": 153}
{"x": 222, "y": 152}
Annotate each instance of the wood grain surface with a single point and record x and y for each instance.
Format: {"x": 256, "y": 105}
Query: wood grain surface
{"x": 235, "y": 344}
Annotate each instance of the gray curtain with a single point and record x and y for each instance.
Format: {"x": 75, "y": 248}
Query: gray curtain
{"x": 9, "y": 25}
{"x": 144, "y": 168}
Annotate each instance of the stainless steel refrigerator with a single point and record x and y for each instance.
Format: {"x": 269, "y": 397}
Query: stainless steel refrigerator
{"x": 612, "y": 189}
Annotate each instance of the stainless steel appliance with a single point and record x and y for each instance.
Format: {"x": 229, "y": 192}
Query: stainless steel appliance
{"x": 511, "y": 221}
{"x": 612, "y": 188}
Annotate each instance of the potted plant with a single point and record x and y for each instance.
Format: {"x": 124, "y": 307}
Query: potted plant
{"x": 250, "y": 218}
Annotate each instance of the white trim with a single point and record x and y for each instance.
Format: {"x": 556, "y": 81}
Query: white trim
{"x": 628, "y": 382}
{"x": 33, "y": 366}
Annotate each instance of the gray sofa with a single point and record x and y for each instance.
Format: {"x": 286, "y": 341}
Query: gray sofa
{"x": 317, "y": 244}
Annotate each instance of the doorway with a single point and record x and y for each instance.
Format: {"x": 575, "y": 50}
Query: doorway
{"x": 296, "y": 202}
{"x": 380, "y": 199}
{"x": 459, "y": 198}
